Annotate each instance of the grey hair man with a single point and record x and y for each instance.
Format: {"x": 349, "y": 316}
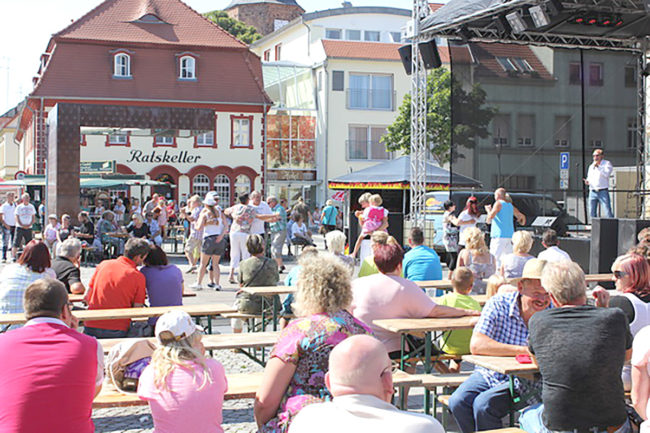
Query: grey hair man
{"x": 262, "y": 208}
{"x": 580, "y": 350}
{"x": 360, "y": 380}
{"x": 67, "y": 264}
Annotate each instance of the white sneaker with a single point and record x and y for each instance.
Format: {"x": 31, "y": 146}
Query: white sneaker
{"x": 196, "y": 286}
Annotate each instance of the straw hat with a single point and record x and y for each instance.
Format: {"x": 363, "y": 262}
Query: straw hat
{"x": 532, "y": 271}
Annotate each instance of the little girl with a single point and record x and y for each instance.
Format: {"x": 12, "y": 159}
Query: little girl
{"x": 372, "y": 219}
{"x": 51, "y": 231}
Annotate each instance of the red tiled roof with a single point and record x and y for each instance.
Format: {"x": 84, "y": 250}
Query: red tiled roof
{"x": 435, "y": 6}
{"x": 83, "y": 70}
{"x": 384, "y": 51}
{"x": 117, "y": 21}
{"x": 486, "y": 56}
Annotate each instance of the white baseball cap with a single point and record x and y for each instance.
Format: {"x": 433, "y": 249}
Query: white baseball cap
{"x": 210, "y": 199}
{"x": 176, "y": 324}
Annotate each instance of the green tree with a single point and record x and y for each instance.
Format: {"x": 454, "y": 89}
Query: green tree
{"x": 245, "y": 33}
{"x": 470, "y": 118}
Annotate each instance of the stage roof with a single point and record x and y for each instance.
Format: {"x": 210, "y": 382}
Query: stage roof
{"x": 481, "y": 20}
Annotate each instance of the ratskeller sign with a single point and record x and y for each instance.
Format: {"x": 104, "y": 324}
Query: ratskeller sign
{"x": 163, "y": 157}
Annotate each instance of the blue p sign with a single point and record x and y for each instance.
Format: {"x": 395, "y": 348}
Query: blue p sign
{"x": 564, "y": 161}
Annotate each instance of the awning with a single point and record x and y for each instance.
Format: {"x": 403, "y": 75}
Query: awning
{"x": 396, "y": 174}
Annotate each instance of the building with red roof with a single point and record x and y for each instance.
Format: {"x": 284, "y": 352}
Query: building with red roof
{"x": 166, "y": 94}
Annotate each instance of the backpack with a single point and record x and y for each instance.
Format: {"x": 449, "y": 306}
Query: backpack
{"x": 125, "y": 363}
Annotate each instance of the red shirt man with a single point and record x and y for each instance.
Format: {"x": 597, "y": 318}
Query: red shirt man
{"x": 117, "y": 284}
{"x": 49, "y": 372}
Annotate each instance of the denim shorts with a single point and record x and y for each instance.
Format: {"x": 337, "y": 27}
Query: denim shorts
{"x": 211, "y": 247}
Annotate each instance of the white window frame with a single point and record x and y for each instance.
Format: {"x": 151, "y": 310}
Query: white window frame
{"x": 328, "y": 35}
{"x": 164, "y": 140}
{"x": 221, "y": 185}
{"x": 368, "y": 140}
{"x": 371, "y": 104}
{"x": 205, "y": 140}
{"x": 347, "y": 34}
{"x": 122, "y": 69}
{"x": 121, "y": 139}
{"x": 187, "y": 68}
{"x": 200, "y": 185}
{"x": 241, "y": 136}
{"x": 367, "y": 32}
{"x": 241, "y": 186}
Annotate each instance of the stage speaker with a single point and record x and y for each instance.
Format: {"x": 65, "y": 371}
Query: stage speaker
{"x": 430, "y": 55}
{"x": 628, "y": 229}
{"x": 405, "y": 53}
{"x": 604, "y": 245}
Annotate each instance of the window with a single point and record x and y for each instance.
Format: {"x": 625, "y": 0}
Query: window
{"x": 122, "y": 65}
{"x": 267, "y": 55}
{"x": 396, "y": 36}
{"x": 200, "y": 185}
{"x": 515, "y": 182}
{"x": 596, "y": 74}
{"x": 242, "y": 185}
{"x": 118, "y": 139}
{"x": 353, "y": 35}
{"x": 222, "y": 187}
{"x": 278, "y": 24}
{"x": 522, "y": 65}
{"x": 370, "y": 92}
{"x": 526, "y": 130}
{"x": 278, "y": 52}
{"x": 338, "y": 80}
{"x": 631, "y": 134}
{"x": 597, "y": 131}
{"x": 242, "y": 135}
{"x": 364, "y": 143}
{"x": 164, "y": 140}
{"x": 501, "y": 130}
{"x": 371, "y": 36}
{"x": 206, "y": 139}
{"x": 562, "y": 131}
{"x": 575, "y": 73}
{"x": 187, "y": 68}
{"x": 630, "y": 76}
{"x": 332, "y": 33}
{"x": 506, "y": 64}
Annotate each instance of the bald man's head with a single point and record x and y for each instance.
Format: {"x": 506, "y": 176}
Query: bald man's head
{"x": 360, "y": 365}
{"x": 500, "y": 193}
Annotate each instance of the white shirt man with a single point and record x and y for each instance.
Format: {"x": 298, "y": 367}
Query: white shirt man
{"x": 554, "y": 254}
{"x": 8, "y": 220}
{"x": 360, "y": 379}
{"x": 262, "y": 208}
{"x": 25, "y": 217}
{"x": 598, "y": 181}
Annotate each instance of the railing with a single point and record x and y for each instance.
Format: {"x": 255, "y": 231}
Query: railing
{"x": 363, "y": 150}
{"x": 365, "y": 99}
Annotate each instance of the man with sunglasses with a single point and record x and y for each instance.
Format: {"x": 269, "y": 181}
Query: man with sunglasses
{"x": 361, "y": 382}
{"x": 580, "y": 350}
{"x": 598, "y": 181}
{"x": 502, "y": 330}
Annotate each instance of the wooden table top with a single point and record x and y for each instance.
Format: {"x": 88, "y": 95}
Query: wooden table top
{"x": 502, "y": 364}
{"x": 215, "y": 342}
{"x": 117, "y": 234}
{"x": 132, "y": 313}
{"x": 426, "y": 325}
{"x": 270, "y": 290}
{"x": 594, "y": 278}
{"x": 79, "y": 297}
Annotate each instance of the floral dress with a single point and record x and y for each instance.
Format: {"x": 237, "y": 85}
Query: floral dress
{"x": 307, "y": 342}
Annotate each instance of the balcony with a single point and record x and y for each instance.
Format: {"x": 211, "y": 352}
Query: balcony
{"x": 366, "y": 99}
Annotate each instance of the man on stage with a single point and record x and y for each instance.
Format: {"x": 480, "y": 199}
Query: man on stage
{"x": 598, "y": 181}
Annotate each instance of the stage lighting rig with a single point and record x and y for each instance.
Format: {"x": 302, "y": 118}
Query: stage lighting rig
{"x": 516, "y": 21}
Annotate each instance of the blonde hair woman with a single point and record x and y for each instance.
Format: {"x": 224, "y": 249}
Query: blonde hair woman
{"x": 512, "y": 265}
{"x": 184, "y": 389}
{"x": 477, "y": 257}
{"x": 295, "y": 373}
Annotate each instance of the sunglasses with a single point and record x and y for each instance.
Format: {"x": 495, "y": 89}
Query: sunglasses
{"x": 620, "y": 274}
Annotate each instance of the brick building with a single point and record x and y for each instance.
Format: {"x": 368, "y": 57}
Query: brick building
{"x": 265, "y": 15}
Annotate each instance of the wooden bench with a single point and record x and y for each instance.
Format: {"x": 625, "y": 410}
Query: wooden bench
{"x": 431, "y": 383}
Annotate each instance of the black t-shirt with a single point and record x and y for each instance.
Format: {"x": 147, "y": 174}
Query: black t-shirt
{"x": 87, "y": 228}
{"x": 141, "y": 232}
{"x": 66, "y": 272}
{"x": 626, "y": 305}
{"x": 580, "y": 352}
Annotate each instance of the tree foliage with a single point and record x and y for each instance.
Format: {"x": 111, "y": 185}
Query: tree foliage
{"x": 245, "y": 33}
{"x": 470, "y": 118}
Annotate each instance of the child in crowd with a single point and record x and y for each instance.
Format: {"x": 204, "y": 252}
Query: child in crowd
{"x": 457, "y": 342}
{"x": 184, "y": 388}
{"x": 371, "y": 220}
{"x": 51, "y": 231}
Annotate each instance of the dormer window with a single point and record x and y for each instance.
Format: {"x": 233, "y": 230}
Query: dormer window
{"x": 187, "y": 68}
{"x": 122, "y": 65}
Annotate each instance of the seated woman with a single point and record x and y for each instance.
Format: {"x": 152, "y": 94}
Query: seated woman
{"x": 137, "y": 228}
{"x": 184, "y": 388}
{"x": 299, "y": 233}
{"x": 154, "y": 229}
{"x": 512, "y": 265}
{"x": 164, "y": 281}
{"x": 256, "y": 271}
{"x": 368, "y": 266}
{"x": 335, "y": 242}
{"x": 477, "y": 257}
{"x": 295, "y": 373}
{"x": 105, "y": 226}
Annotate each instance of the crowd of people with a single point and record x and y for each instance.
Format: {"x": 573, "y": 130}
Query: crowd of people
{"x": 331, "y": 367}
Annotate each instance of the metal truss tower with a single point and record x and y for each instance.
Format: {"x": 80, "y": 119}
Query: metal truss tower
{"x": 419, "y": 143}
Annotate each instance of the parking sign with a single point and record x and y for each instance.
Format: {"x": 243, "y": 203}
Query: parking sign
{"x": 564, "y": 160}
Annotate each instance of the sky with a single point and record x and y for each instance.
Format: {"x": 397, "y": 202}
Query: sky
{"x": 28, "y": 24}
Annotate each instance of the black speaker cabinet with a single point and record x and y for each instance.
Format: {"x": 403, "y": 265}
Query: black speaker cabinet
{"x": 604, "y": 245}
{"x": 405, "y": 53}
{"x": 430, "y": 55}
{"x": 628, "y": 229}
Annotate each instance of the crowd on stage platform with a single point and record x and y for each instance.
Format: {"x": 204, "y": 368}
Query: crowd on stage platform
{"x": 332, "y": 365}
